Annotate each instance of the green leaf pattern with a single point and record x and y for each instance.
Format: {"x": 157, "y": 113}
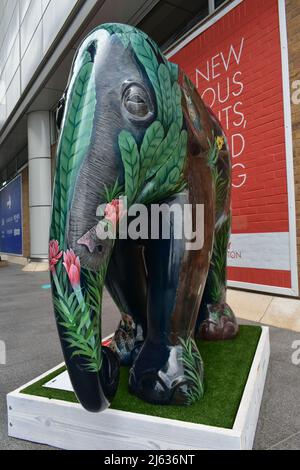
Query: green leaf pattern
{"x": 176, "y": 102}
{"x": 216, "y": 279}
{"x": 193, "y": 370}
{"x": 78, "y": 315}
{"x": 131, "y": 160}
{"x": 73, "y": 144}
{"x": 155, "y": 169}
{"x": 153, "y": 138}
{"x": 81, "y": 321}
{"x": 166, "y": 91}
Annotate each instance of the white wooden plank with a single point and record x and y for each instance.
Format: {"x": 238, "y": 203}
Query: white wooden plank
{"x": 69, "y": 426}
{"x": 247, "y": 416}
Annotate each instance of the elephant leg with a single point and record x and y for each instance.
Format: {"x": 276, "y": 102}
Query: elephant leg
{"x": 216, "y": 320}
{"x": 126, "y": 281}
{"x": 169, "y": 368}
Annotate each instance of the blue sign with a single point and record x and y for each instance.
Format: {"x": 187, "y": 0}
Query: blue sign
{"x": 11, "y": 217}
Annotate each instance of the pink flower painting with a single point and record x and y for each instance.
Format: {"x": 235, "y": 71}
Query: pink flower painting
{"x": 113, "y": 211}
{"x": 54, "y": 254}
{"x": 72, "y": 266}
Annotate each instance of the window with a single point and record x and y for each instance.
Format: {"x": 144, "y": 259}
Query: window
{"x": 219, "y": 3}
{"x": 171, "y": 19}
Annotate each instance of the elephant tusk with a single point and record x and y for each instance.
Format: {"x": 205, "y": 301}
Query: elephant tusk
{"x": 98, "y": 236}
{"x": 90, "y": 240}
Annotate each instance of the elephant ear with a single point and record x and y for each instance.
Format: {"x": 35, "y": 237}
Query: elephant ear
{"x": 74, "y": 142}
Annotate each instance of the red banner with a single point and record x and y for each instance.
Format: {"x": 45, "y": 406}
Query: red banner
{"x": 236, "y": 65}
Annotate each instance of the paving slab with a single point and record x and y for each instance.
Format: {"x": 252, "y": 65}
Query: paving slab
{"x": 248, "y": 305}
{"x": 36, "y": 267}
{"x": 283, "y": 313}
{"x": 280, "y": 411}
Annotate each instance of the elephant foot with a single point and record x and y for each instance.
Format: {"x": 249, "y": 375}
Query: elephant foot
{"x": 127, "y": 340}
{"x": 168, "y": 375}
{"x": 219, "y": 324}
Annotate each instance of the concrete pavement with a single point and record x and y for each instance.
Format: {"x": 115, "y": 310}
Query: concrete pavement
{"x": 274, "y": 310}
{"x": 28, "y": 328}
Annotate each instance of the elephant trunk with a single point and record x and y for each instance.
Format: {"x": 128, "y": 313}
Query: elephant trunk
{"x": 78, "y": 262}
{"x": 77, "y": 299}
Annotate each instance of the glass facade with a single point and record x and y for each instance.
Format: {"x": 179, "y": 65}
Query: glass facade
{"x": 27, "y": 30}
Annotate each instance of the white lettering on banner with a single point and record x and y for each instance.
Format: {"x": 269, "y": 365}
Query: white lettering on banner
{"x": 227, "y": 88}
{"x": 259, "y": 250}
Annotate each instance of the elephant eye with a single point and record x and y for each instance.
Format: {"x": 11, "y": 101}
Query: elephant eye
{"x": 136, "y": 101}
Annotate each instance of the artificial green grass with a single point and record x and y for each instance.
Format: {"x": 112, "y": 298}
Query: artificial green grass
{"x": 227, "y": 365}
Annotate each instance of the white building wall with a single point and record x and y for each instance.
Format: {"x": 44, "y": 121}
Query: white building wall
{"x": 27, "y": 30}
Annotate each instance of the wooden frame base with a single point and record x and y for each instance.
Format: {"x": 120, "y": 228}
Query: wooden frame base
{"x": 68, "y": 426}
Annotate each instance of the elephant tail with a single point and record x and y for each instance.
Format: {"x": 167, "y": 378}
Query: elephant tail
{"x": 77, "y": 299}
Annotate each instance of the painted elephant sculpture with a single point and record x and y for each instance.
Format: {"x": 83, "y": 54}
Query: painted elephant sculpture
{"x": 133, "y": 130}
